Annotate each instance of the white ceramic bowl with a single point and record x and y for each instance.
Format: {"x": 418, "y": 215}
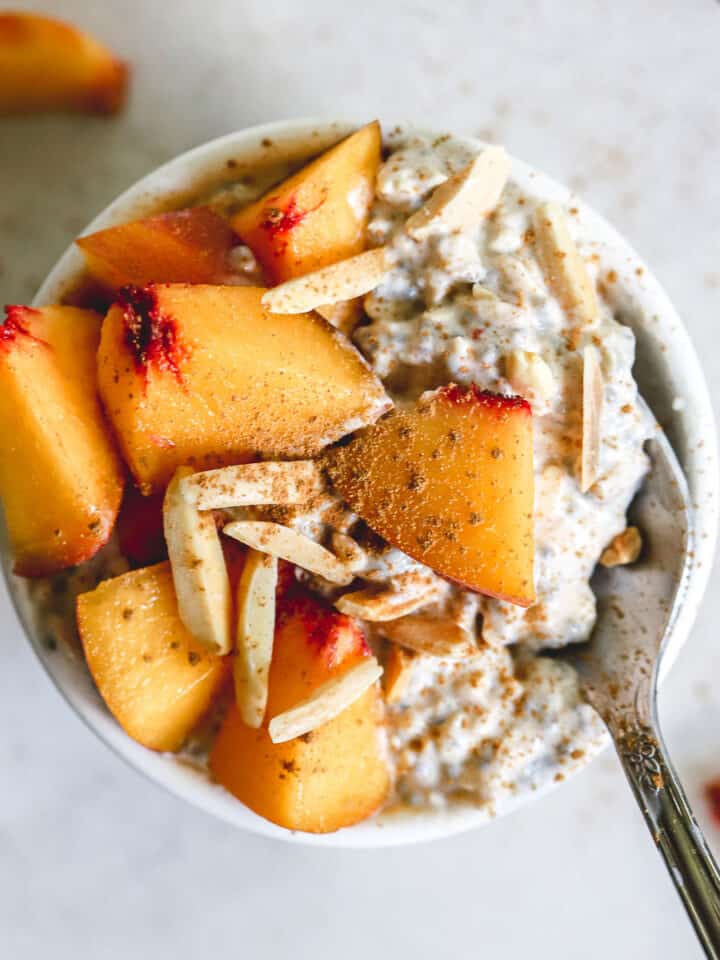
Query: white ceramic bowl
{"x": 667, "y": 370}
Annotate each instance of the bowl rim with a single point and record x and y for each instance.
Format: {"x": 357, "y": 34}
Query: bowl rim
{"x": 694, "y": 418}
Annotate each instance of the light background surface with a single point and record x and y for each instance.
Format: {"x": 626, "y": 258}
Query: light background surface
{"x": 618, "y": 100}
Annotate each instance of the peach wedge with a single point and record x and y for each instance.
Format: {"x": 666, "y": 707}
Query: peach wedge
{"x": 60, "y": 479}
{"x": 207, "y": 376}
{"x": 331, "y": 777}
{"x": 48, "y": 65}
{"x": 190, "y": 246}
{"x": 450, "y": 482}
{"x": 319, "y": 215}
{"x": 155, "y": 679}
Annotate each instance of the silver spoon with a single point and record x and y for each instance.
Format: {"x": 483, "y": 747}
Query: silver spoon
{"x": 619, "y": 669}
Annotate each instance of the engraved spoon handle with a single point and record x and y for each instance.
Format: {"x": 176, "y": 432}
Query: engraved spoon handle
{"x": 674, "y": 829}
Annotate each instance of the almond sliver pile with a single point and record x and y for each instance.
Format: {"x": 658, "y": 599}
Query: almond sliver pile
{"x": 202, "y": 582}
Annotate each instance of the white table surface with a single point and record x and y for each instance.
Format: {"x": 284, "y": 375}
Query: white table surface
{"x": 621, "y": 101}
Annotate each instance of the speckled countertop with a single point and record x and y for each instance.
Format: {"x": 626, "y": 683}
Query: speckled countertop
{"x": 620, "y": 102}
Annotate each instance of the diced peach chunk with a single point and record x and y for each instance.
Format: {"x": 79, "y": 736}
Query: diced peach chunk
{"x": 450, "y": 482}
{"x": 206, "y": 376}
{"x": 319, "y": 215}
{"x": 333, "y": 776}
{"x": 48, "y": 65}
{"x": 189, "y": 246}
{"x": 61, "y": 480}
{"x": 155, "y": 679}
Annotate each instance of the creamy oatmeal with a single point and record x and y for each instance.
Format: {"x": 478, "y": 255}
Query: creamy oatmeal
{"x": 482, "y": 713}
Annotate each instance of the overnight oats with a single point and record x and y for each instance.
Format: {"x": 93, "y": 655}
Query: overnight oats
{"x": 320, "y": 481}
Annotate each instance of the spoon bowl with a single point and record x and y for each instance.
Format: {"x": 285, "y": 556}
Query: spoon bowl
{"x": 620, "y": 668}
{"x": 637, "y": 605}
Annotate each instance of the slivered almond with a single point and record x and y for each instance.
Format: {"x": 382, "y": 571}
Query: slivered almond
{"x": 326, "y": 702}
{"x": 564, "y": 268}
{"x": 592, "y": 395}
{"x": 349, "y": 551}
{"x": 439, "y": 638}
{"x": 254, "y": 484}
{"x": 481, "y": 292}
{"x": 343, "y": 316}
{"x": 623, "y": 549}
{"x": 254, "y": 635}
{"x": 288, "y": 544}
{"x": 398, "y": 669}
{"x": 198, "y": 568}
{"x": 330, "y": 285}
{"x": 385, "y": 605}
{"x": 464, "y": 198}
{"x": 529, "y": 375}
{"x": 521, "y": 279}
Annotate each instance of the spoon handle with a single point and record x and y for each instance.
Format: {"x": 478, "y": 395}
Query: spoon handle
{"x": 673, "y": 826}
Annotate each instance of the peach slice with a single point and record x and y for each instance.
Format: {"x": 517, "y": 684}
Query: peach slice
{"x": 207, "y": 376}
{"x": 189, "y": 246}
{"x": 60, "y": 478}
{"x": 329, "y": 778}
{"x": 155, "y": 679}
{"x": 450, "y": 482}
{"x": 48, "y": 65}
{"x": 319, "y": 215}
